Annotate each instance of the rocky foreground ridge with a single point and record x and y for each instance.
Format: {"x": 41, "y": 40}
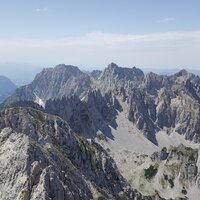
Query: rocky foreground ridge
{"x": 42, "y": 158}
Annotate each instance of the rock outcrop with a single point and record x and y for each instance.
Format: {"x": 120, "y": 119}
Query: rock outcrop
{"x": 87, "y": 116}
{"x": 42, "y": 158}
{"x": 168, "y": 103}
{"x": 63, "y": 80}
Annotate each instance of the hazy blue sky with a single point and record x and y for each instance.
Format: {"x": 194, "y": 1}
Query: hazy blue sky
{"x": 93, "y": 33}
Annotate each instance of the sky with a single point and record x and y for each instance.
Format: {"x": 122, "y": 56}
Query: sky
{"x": 161, "y": 34}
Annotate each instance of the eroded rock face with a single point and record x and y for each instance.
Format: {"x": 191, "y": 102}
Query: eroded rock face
{"x": 89, "y": 115}
{"x": 41, "y": 158}
{"x": 119, "y": 80}
{"x": 62, "y": 80}
{"x": 167, "y": 102}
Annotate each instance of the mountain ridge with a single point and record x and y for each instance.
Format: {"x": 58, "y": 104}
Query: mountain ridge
{"x": 155, "y": 93}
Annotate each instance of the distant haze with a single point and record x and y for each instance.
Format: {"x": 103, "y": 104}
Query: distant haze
{"x": 147, "y": 34}
{"x": 19, "y": 73}
{"x": 163, "y": 50}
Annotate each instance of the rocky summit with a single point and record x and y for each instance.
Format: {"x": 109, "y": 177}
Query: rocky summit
{"x": 111, "y": 134}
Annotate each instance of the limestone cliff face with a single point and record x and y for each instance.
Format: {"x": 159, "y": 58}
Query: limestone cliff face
{"x": 167, "y": 102}
{"x": 119, "y": 80}
{"x": 63, "y": 80}
{"x": 87, "y": 116}
{"x": 50, "y": 83}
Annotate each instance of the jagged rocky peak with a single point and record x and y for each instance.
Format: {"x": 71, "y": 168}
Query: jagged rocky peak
{"x": 114, "y": 71}
{"x": 161, "y": 78}
{"x": 50, "y": 83}
{"x": 153, "y": 82}
{"x": 182, "y": 77}
{"x": 182, "y": 72}
{"x": 112, "y": 66}
{"x": 95, "y": 74}
{"x": 59, "y": 74}
{"x": 119, "y": 80}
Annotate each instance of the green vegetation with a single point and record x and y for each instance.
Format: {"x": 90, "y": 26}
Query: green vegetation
{"x": 192, "y": 157}
{"x": 89, "y": 150}
{"x": 40, "y": 117}
{"x": 165, "y": 177}
{"x": 184, "y": 191}
{"x": 171, "y": 182}
{"x": 150, "y": 172}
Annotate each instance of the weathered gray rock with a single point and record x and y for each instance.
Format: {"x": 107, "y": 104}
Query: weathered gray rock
{"x": 119, "y": 80}
{"x": 94, "y": 113}
{"x": 170, "y": 102}
{"x": 62, "y": 80}
{"x": 41, "y": 158}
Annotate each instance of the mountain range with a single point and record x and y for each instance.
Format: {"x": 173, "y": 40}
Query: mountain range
{"x": 111, "y": 134}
